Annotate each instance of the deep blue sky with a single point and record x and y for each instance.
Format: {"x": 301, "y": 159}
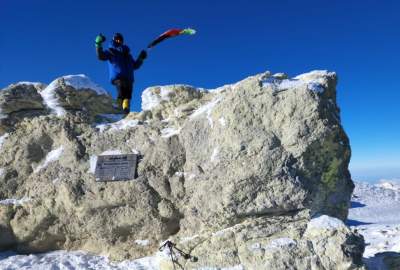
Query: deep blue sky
{"x": 44, "y": 39}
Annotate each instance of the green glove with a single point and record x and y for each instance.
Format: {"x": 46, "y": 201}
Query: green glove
{"x": 99, "y": 40}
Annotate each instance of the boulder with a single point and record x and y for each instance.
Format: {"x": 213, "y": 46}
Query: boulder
{"x": 77, "y": 93}
{"x": 18, "y": 101}
{"x": 253, "y": 175}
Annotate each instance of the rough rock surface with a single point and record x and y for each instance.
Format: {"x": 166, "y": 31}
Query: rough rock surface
{"x": 234, "y": 175}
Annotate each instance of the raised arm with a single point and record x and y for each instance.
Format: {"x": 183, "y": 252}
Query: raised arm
{"x": 138, "y": 63}
{"x": 101, "y": 54}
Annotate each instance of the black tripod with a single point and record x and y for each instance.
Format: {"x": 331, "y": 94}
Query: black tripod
{"x": 173, "y": 251}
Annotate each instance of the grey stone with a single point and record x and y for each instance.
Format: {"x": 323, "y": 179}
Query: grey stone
{"x": 225, "y": 173}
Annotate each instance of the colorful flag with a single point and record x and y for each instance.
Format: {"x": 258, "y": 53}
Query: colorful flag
{"x": 171, "y": 33}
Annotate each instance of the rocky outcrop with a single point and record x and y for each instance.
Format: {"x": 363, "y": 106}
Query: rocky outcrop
{"x": 75, "y": 94}
{"x": 252, "y": 174}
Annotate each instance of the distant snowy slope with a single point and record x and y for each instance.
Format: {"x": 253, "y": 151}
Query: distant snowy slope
{"x": 375, "y": 213}
{"x": 378, "y": 204}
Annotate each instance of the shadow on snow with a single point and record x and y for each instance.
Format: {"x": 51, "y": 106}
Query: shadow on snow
{"x": 357, "y": 205}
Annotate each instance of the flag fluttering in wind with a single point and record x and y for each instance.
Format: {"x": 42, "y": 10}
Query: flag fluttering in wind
{"x": 171, "y": 33}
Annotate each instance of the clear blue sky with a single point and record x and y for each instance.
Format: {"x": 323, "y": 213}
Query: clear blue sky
{"x": 44, "y": 39}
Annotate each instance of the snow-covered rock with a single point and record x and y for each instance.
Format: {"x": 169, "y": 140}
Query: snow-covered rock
{"x": 76, "y": 93}
{"x": 52, "y": 156}
{"x": 72, "y": 94}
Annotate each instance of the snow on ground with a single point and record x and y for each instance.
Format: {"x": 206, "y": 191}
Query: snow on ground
{"x": 325, "y": 222}
{"x": 222, "y": 121}
{"x": 214, "y": 155}
{"x": 14, "y": 201}
{"x": 142, "y": 242}
{"x": 375, "y": 213}
{"x": 52, "y": 156}
{"x": 3, "y": 138}
{"x": 169, "y": 132}
{"x": 206, "y": 109}
{"x": 119, "y": 125}
{"x": 51, "y": 100}
{"x": 313, "y": 81}
{"x": 76, "y": 260}
{"x": 1, "y": 172}
{"x": 190, "y": 176}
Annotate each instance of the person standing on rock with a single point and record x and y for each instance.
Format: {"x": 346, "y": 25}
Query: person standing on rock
{"x": 121, "y": 67}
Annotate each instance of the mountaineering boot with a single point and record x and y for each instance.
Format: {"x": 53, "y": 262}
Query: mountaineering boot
{"x": 125, "y": 105}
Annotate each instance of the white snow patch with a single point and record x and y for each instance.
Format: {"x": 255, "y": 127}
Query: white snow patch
{"x": 142, "y": 242}
{"x": 281, "y": 85}
{"x": 214, "y": 155}
{"x": 150, "y": 99}
{"x": 50, "y": 99}
{"x": 3, "y": 138}
{"x": 81, "y": 82}
{"x": 325, "y": 222}
{"x": 190, "y": 176}
{"x": 280, "y": 243}
{"x": 314, "y": 75}
{"x": 189, "y": 238}
{"x": 313, "y": 81}
{"x": 169, "y": 132}
{"x": 111, "y": 152}
{"x": 222, "y": 121}
{"x": 55, "y": 181}
{"x": 52, "y": 156}
{"x": 224, "y": 88}
{"x": 120, "y": 125}
{"x": 28, "y": 83}
{"x": 223, "y": 231}
{"x": 135, "y": 151}
{"x": 180, "y": 174}
{"x": 1, "y": 172}
{"x": 166, "y": 120}
{"x": 206, "y": 109}
{"x": 74, "y": 260}
{"x": 92, "y": 162}
{"x": 15, "y": 201}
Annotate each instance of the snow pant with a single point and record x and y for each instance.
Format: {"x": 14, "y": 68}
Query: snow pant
{"x": 124, "y": 88}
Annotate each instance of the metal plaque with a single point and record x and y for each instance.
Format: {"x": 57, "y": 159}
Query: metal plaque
{"x": 116, "y": 167}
